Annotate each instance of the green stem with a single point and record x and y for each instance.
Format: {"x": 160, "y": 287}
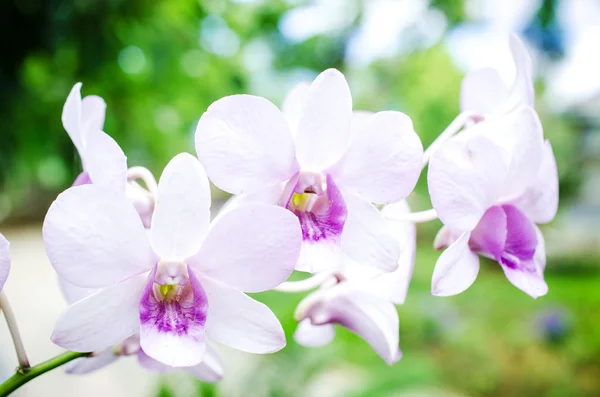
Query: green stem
{"x": 23, "y": 376}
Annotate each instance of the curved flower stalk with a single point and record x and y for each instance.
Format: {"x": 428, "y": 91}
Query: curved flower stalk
{"x": 490, "y": 186}
{"x": 318, "y": 162}
{"x": 484, "y": 92}
{"x": 362, "y": 299}
{"x": 103, "y": 161}
{"x": 177, "y": 285}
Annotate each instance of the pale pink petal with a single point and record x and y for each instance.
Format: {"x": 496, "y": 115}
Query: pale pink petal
{"x": 142, "y": 201}
{"x": 293, "y": 105}
{"x": 73, "y": 293}
{"x": 105, "y": 162}
{"x": 523, "y": 86}
{"x": 318, "y": 256}
{"x": 540, "y": 200}
{"x": 245, "y": 144}
{"x": 182, "y": 211}
{"x": 373, "y": 319}
{"x": 4, "y": 260}
{"x": 445, "y": 237}
{"x": 238, "y": 321}
{"x": 465, "y": 178}
{"x": 359, "y": 120}
{"x": 93, "y": 112}
{"x": 172, "y": 330}
{"x": 211, "y": 368}
{"x": 520, "y": 134}
{"x": 83, "y": 366}
{"x": 251, "y": 248}
{"x": 94, "y": 237}
{"x": 532, "y": 283}
{"x": 324, "y": 129}
{"x": 307, "y": 334}
{"x": 456, "y": 269}
{"x": 71, "y": 117}
{"x": 384, "y": 160}
{"x": 102, "y": 319}
{"x": 367, "y": 237}
{"x": 483, "y": 91}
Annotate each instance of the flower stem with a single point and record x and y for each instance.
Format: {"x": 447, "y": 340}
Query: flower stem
{"x": 416, "y": 217}
{"x": 453, "y": 128}
{"x": 145, "y": 175}
{"x": 14, "y": 331}
{"x": 23, "y": 376}
{"x": 306, "y": 284}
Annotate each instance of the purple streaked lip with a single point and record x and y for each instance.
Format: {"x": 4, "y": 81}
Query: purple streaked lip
{"x": 321, "y": 211}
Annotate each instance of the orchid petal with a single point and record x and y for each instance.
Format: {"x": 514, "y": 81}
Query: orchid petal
{"x": 323, "y": 132}
{"x": 490, "y": 235}
{"x": 313, "y": 335}
{"x": 483, "y": 91}
{"x": 4, "y": 260}
{"x": 383, "y": 161}
{"x": 318, "y": 256}
{"x": 105, "y": 162}
{"x": 95, "y": 238}
{"x": 102, "y": 319}
{"x": 540, "y": 200}
{"x": 73, "y": 293}
{"x": 456, "y": 269}
{"x": 523, "y": 85}
{"x": 71, "y": 116}
{"x": 211, "y": 368}
{"x": 465, "y": 178}
{"x": 367, "y": 238}
{"x": 293, "y": 105}
{"x": 373, "y": 319}
{"x": 172, "y": 331}
{"x": 244, "y": 142}
{"x": 182, "y": 211}
{"x": 240, "y": 322}
{"x": 93, "y": 112}
{"x": 445, "y": 237}
{"x": 85, "y": 365}
{"x": 267, "y": 245}
{"x": 520, "y": 133}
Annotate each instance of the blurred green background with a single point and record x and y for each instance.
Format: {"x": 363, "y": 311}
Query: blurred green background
{"x": 159, "y": 65}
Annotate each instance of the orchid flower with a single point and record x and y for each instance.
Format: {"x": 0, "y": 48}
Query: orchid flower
{"x": 490, "y": 186}
{"x": 104, "y": 163}
{"x": 4, "y": 260}
{"x": 209, "y": 370}
{"x": 313, "y": 161}
{"x": 362, "y": 299}
{"x": 180, "y": 283}
{"x": 484, "y": 92}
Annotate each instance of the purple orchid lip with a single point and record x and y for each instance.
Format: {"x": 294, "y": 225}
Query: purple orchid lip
{"x": 176, "y": 309}
{"x": 507, "y": 235}
{"x": 322, "y": 215}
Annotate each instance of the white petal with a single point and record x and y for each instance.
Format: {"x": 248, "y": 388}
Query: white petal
{"x": 101, "y": 320}
{"x": 4, "y": 260}
{"x": 483, "y": 91}
{"x": 520, "y": 133}
{"x": 324, "y": 129}
{"x": 267, "y": 242}
{"x": 93, "y": 111}
{"x": 384, "y": 160}
{"x": 540, "y": 200}
{"x": 244, "y": 142}
{"x": 456, "y": 269}
{"x": 83, "y": 366}
{"x": 105, "y": 162}
{"x": 94, "y": 237}
{"x": 313, "y": 335}
{"x": 293, "y": 105}
{"x": 367, "y": 237}
{"x": 73, "y": 293}
{"x": 523, "y": 86}
{"x": 318, "y": 256}
{"x": 238, "y": 321}
{"x": 465, "y": 178}
{"x": 211, "y": 368}
{"x": 182, "y": 211}
{"x": 71, "y": 116}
